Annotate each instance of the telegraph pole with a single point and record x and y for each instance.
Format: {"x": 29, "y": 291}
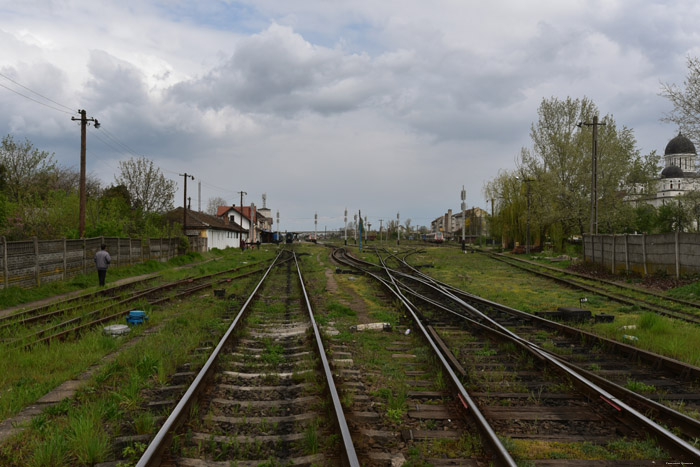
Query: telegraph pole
{"x": 361, "y": 226}
{"x": 594, "y": 174}
{"x": 83, "y": 146}
{"x": 184, "y": 202}
{"x": 464, "y": 220}
{"x": 380, "y": 230}
{"x": 366, "y": 228}
{"x": 315, "y": 225}
{"x": 398, "y": 229}
{"x": 242, "y": 193}
{"x": 355, "y": 218}
{"x": 279, "y": 239}
{"x": 346, "y": 226}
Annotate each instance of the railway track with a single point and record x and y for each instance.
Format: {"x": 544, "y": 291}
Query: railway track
{"x": 684, "y": 310}
{"x": 555, "y": 398}
{"x": 266, "y": 394}
{"x": 67, "y": 318}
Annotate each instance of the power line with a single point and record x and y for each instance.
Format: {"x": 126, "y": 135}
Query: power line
{"x": 34, "y": 92}
{"x": 38, "y": 102}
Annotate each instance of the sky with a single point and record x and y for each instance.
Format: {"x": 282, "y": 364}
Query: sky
{"x": 386, "y": 107}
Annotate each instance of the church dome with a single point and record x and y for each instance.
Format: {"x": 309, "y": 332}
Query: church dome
{"x": 680, "y": 145}
{"x": 672, "y": 171}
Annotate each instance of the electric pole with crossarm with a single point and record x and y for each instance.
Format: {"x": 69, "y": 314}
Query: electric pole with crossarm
{"x": 83, "y": 144}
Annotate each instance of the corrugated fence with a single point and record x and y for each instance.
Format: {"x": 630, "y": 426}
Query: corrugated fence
{"x": 30, "y": 263}
{"x": 672, "y": 253}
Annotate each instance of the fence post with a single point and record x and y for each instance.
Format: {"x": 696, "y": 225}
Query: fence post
{"x": 644, "y": 253}
{"x": 36, "y": 261}
{"x": 627, "y": 253}
{"x": 4, "y": 262}
{"x": 613, "y": 254}
{"x": 65, "y": 259}
{"x": 84, "y": 256}
{"x": 678, "y": 255}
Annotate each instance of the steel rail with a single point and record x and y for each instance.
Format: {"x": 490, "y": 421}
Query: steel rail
{"x": 350, "y": 454}
{"x": 669, "y": 363}
{"x": 112, "y": 316}
{"x": 588, "y": 277}
{"x": 682, "y": 315}
{"x": 502, "y": 455}
{"x": 153, "y": 453}
{"x": 674, "y": 442}
{"x": 690, "y": 425}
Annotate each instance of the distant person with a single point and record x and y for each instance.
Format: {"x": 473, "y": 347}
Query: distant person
{"x": 102, "y": 260}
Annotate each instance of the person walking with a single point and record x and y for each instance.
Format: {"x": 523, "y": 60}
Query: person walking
{"x": 102, "y": 260}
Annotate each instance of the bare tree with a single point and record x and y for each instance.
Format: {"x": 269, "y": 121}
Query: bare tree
{"x": 214, "y": 203}
{"x": 686, "y": 101}
{"x": 149, "y": 189}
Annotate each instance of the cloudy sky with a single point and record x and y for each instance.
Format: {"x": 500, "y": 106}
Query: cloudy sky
{"x": 383, "y": 106}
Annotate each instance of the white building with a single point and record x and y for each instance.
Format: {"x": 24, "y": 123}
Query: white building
{"x": 680, "y": 173}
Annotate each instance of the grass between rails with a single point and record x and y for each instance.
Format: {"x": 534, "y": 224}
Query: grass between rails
{"x": 383, "y": 375}
{"x": 27, "y": 375}
{"x": 510, "y": 286}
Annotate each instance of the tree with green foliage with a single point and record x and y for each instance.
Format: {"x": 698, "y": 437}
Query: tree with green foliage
{"x": 148, "y": 188}
{"x": 556, "y": 173}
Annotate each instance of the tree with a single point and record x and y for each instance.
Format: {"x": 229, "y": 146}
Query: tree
{"x": 26, "y": 169}
{"x": 686, "y": 101}
{"x": 149, "y": 190}
{"x": 214, "y": 203}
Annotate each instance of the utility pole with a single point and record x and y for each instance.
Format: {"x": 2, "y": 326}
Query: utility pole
{"x": 83, "y": 146}
{"x": 346, "y": 226}
{"x": 464, "y": 220}
{"x": 366, "y": 228}
{"x": 594, "y": 174}
{"x": 189, "y": 203}
{"x": 398, "y": 229}
{"x": 279, "y": 239}
{"x": 380, "y": 230}
{"x": 360, "y": 216}
{"x": 184, "y": 203}
{"x": 315, "y": 224}
{"x": 242, "y": 193}
{"x": 355, "y": 218}
{"x": 199, "y": 196}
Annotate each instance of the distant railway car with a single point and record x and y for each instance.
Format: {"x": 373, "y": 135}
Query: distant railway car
{"x": 289, "y": 237}
{"x": 311, "y": 238}
{"x": 433, "y": 237}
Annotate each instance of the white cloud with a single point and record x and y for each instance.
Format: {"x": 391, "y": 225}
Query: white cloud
{"x": 380, "y": 105}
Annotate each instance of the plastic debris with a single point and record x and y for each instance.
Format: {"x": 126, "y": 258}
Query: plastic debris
{"x": 116, "y": 330}
{"x": 408, "y": 331}
{"x": 630, "y": 338}
{"x": 371, "y": 327}
{"x": 629, "y": 326}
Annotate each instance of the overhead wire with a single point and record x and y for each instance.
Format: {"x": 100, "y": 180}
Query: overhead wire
{"x": 38, "y": 102}
{"x": 110, "y": 140}
{"x": 72, "y": 111}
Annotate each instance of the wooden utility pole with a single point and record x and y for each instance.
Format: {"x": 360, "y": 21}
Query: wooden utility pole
{"x": 83, "y": 145}
{"x": 184, "y": 203}
{"x": 594, "y": 174}
{"x": 242, "y": 193}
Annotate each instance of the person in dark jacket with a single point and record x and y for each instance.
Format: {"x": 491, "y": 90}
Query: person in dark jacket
{"x": 102, "y": 260}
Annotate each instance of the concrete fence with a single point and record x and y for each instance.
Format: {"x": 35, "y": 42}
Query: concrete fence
{"x": 30, "y": 263}
{"x": 672, "y": 253}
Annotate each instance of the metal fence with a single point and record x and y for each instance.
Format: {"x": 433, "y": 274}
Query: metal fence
{"x": 672, "y": 253}
{"x": 30, "y": 263}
